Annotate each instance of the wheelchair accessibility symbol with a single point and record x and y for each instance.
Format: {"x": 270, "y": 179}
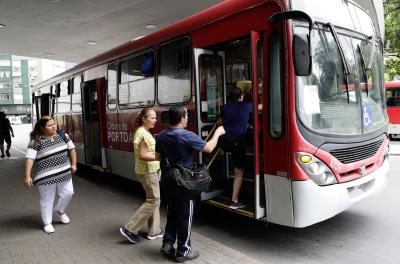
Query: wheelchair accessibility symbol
{"x": 367, "y": 116}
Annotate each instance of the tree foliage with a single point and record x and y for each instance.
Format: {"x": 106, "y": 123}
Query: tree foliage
{"x": 392, "y": 26}
{"x": 392, "y": 38}
{"x": 392, "y": 68}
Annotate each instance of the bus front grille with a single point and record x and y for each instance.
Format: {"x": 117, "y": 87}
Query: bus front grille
{"x": 349, "y": 155}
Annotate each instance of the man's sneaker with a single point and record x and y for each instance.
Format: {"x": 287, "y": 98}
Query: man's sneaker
{"x": 128, "y": 235}
{"x": 191, "y": 255}
{"x": 48, "y": 229}
{"x": 8, "y": 153}
{"x": 161, "y": 234}
{"x": 236, "y": 205}
{"x": 2, "y": 156}
{"x": 64, "y": 218}
{"x": 168, "y": 250}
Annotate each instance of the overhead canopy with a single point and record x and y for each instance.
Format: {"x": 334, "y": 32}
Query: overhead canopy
{"x": 67, "y": 29}
{"x": 63, "y": 29}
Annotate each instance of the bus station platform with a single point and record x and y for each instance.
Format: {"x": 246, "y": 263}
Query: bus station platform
{"x": 101, "y": 205}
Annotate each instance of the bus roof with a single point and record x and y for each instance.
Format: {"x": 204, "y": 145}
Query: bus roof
{"x": 392, "y": 84}
{"x": 202, "y": 18}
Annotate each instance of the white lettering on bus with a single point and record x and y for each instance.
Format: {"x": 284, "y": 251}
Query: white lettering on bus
{"x": 118, "y": 133}
{"x": 112, "y": 126}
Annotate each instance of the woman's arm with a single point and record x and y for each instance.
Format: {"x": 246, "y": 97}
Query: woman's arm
{"x": 72, "y": 156}
{"x": 28, "y": 169}
{"x": 144, "y": 153}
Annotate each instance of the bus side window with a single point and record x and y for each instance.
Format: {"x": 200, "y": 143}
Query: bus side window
{"x": 211, "y": 72}
{"x": 112, "y": 86}
{"x": 76, "y": 95}
{"x": 389, "y": 98}
{"x": 397, "y": 98}
{"x": 174, "y": 75}
{"x": 137, "y": 81}
{"x": 276, "y": 85}
{"x": 64, "y": 98}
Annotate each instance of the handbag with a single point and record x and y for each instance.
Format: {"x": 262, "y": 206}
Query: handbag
{"x": 190, "y": 182}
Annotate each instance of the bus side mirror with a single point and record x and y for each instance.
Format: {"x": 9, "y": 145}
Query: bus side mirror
{"x": 301, "y": 43}
{"x": 301, "y": 55}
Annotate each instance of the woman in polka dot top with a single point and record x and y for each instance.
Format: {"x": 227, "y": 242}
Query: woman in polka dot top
{"x": 51, "y": 162}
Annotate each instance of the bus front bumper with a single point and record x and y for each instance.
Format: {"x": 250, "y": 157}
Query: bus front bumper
{"x": 394, "y": 129}
{"x": 313, "y": 203}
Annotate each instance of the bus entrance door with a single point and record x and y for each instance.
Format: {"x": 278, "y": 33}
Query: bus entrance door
{"x": 91, "y": 123}
{"x": 257, "y": 51}
{"x": 236, "y": 63}
{"x": 209, "y": 99}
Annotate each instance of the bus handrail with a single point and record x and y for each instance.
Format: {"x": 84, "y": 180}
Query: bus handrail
{"x": 213, "y": 158}
{"x": 211, "y": 132}
{"x": 218, "y": 150}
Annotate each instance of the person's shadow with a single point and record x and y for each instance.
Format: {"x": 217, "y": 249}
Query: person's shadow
{"x": 14, "y": 225}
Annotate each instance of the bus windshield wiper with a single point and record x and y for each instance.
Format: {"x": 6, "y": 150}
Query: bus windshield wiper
{"x": 346, "y": 71}
{"x": 371, "y": 55}
{"x": 364, "y": 69}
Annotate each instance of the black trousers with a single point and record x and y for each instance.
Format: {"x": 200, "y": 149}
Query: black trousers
{"x": 179, "y": 223}
{"x": 179, "y": 215}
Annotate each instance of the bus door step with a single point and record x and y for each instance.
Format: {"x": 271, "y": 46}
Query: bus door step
{"x": 224, "y": 204}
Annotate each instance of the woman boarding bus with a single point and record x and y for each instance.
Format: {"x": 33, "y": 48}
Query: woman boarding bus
{"x": 318, "y": 140}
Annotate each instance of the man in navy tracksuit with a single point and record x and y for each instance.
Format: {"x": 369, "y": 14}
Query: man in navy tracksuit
{"x": 177, "y": 145}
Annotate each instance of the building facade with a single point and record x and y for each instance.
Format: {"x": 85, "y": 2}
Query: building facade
{"x": 18, "y": 75}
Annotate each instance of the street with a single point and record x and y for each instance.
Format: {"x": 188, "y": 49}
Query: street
{"x": 369, "y": 232}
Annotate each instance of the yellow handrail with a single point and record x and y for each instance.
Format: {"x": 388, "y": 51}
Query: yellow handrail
{"x": 211, "y": 132}
{"x": 218, "y": 150}
{"x": 213, "y": 158}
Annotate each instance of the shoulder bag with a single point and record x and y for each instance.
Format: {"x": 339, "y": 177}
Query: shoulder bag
{"x": 190, "y": 181}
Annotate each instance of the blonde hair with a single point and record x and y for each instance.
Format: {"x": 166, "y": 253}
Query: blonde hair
{"x": 138, "y": 122}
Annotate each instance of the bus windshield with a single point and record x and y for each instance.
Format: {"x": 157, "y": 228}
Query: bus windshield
{"x": 324, "y": 103}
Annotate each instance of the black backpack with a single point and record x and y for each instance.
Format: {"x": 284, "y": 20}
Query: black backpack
{"x": 63, "y": 136}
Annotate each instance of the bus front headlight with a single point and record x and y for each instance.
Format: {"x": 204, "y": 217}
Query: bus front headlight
{"x": 318, "y": 172}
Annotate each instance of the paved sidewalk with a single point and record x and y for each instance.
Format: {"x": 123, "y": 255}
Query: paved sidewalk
{"x": 96, "y": 211}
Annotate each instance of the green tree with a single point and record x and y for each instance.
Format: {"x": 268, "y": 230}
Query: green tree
{"x": 392, "y": 25}
{"x": 392, "y": 38}
{"x": 392, "y": 68}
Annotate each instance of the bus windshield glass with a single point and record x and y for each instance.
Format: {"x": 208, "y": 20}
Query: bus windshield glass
{"x": 324, "y": 103}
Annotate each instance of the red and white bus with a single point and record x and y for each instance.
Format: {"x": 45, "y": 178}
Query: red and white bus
{"x": 393, "y": 107}
{"x": 318, "y": 142}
